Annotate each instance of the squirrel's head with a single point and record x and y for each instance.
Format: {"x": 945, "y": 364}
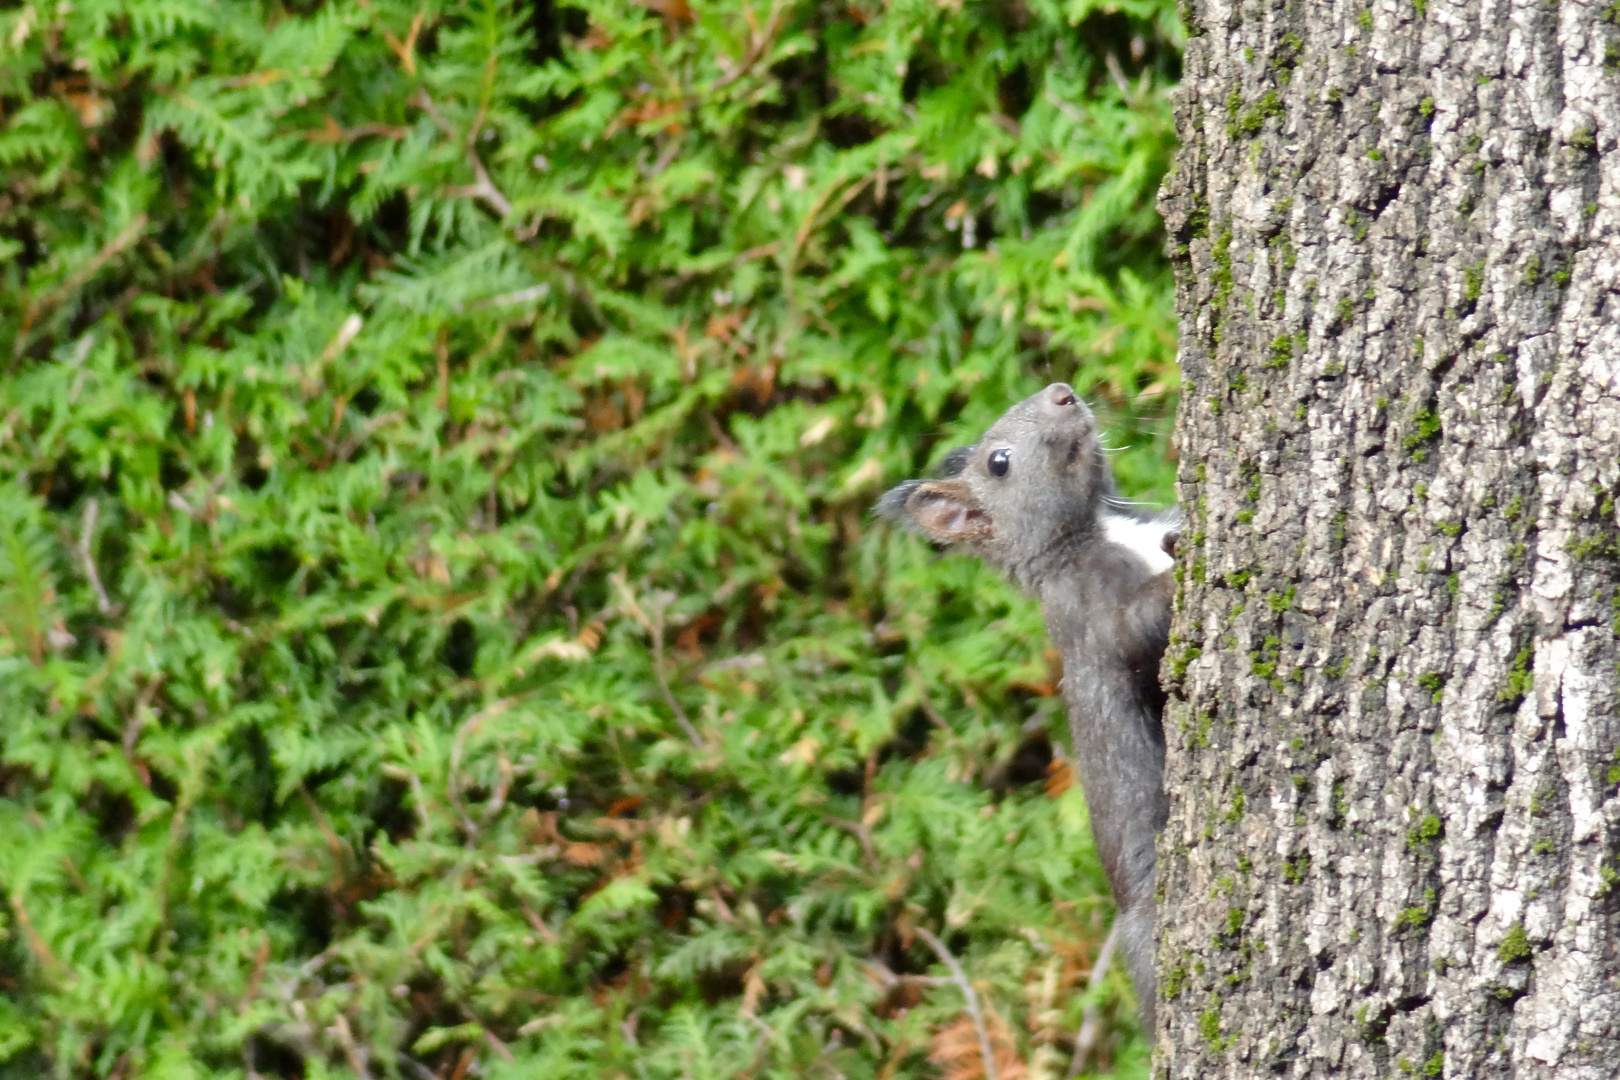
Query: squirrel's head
{"x": 1038, "y": 475}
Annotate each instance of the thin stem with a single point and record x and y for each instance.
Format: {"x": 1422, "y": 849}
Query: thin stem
{"x": 1090, "y": 1025}
{"x": 482, "y": 187}
{"x": 974, "y": 1012}
{"x": 86, "y": 534}
{"x": 654, "y": 625}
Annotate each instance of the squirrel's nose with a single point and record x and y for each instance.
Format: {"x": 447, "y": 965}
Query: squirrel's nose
{"x": 1060, "y": 394}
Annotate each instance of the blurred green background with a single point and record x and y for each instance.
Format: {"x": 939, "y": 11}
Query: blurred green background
{"x": 445, "y": 633}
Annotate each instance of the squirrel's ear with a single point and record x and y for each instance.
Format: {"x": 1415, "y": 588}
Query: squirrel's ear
{"x": 956, "y": 461}
{"x": 943, "y": 510}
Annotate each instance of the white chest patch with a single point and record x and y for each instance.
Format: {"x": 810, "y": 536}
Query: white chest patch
{"x": 1144, "y": 539}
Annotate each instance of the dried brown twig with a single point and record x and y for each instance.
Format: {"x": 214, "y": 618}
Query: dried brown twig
{"x": 453, "y": 782}
{"x": 37, "y": 307}
{"x": 653, "y": 623}
{"x": 483, "y": 187}
{"x": 1090, "y": 1024}
{"x": 975, "y": 1013}
{"x": 86, "y": 534}
{"x": 759, "y": 43}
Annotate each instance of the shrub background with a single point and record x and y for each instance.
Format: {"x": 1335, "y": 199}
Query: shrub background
{"x": 444, "y": 630}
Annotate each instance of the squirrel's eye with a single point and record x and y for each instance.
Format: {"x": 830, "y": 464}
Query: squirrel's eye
{"x": 999, "y": 461}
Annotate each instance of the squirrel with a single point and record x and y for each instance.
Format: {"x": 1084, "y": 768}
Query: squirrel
{"x": 1035, "y": 497}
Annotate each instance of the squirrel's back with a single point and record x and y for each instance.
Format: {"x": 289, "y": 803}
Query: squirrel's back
{"x": 1035, "y": 497}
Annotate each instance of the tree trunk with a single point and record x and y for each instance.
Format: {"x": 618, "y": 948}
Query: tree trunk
{"x": 1394, "y": 752}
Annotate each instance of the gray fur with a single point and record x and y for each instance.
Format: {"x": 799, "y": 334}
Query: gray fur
{"x": 1107, "y": 614}
{"x": 956, "y": 461}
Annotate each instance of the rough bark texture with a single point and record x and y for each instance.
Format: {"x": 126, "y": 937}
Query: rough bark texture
{"x": 1394, "y": 752}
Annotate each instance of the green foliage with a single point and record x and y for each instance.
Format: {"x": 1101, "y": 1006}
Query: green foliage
{"x": 1415, "y": 918}
{"x": 1434, "y": 682}
{"x": 1515, "y": 945}
{"x": 1520, "y": 677}
{"x": 1425, "y": 832}
{"x": 1425, "y": 427}
{"x": 1252, "y": 119}
{"x": 443, "y": 618}
{"x": 1209, "y": 1026}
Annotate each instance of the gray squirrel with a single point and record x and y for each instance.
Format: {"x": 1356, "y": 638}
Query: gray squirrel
{"x": 1035, "y": 497}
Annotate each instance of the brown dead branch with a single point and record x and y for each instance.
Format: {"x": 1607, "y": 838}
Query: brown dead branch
{"x": 759, "y": 43}
{"x": 1085, "y": 1043}
{"x": 86, "y": 534}
{"x": 975, "y": 1013}
{"x": 653, "y": 623}
{"x": 482, "y": 187}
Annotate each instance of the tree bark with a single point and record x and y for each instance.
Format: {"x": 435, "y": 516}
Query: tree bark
{"x": 1394, "y": 749}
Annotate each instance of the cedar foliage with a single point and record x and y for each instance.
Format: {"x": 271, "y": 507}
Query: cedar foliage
{"x": 444, "y": 631}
